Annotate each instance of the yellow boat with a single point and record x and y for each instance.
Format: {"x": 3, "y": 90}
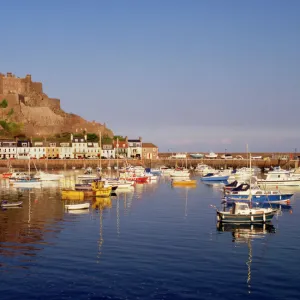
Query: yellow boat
{"x": 103, "y": 192}
{"x": 72, "y": 194}
{"x": 184, "y": 182}
{"x": 99, "y": 189}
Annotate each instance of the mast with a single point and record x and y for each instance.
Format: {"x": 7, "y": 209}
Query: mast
{"x": 117, "y": 157}
{"x": 100, "y": 143}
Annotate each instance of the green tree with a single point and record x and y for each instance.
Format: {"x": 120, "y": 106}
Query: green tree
{"x": 92, "y": 137}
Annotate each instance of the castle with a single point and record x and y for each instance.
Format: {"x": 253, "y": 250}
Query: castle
{"x": 24, "y": 90}
{"x": 40, "y": 114}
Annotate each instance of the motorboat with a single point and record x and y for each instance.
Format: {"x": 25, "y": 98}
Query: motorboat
{"x": 244, "y": 192}
{"x": 242, "y": 213}
{"x": 205, "y": 169}
{"x": 278, "y": 178}
{"x": 215, "y": 177}
{"x": 211, "y": 155}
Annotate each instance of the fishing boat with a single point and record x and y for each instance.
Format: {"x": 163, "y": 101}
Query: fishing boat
{"x": 5, "y": 203}
{"x": 100, "y": 190}
{"x": 77, "y": 206}
{"x": 184, "y": 182}
{"x": 242, "y": 213}
{"x": 215, "y": 177}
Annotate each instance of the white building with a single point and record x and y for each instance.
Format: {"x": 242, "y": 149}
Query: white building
{"x": 38, "y": 150}
{"x": 108, "y": 151}
{"x": 93, "y": 150}
{"x": 8, "y": 149}
{"x": 79, "y": 147}
{"x": 135, "y": 148}
{"x": 66, "y": 151}
{"x": 23, "y": 149}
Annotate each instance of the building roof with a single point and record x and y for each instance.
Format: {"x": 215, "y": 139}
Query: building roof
{"x": 148, "y": 145}
{"x": 134, "y": 141}
{"x": 122, "y": 144}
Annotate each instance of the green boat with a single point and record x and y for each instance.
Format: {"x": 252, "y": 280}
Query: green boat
{"x": 242, "y": 213}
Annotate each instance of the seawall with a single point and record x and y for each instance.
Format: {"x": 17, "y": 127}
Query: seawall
{"x": 68, "y": 164}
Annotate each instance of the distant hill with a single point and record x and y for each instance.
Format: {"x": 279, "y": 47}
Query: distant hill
{"x": 38, "y": 114}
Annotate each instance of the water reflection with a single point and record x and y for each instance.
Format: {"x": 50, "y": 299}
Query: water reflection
{"x": 101, "y": 204}
{"x": 23, "y": 230}
{"x": 245, "y": 234}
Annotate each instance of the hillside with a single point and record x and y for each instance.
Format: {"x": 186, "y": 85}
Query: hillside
{"x": 39, "y": 114}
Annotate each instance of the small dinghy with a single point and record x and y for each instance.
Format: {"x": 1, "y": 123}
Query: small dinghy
{"x": 77, "y": 206}
{"x": 11, "y": 204}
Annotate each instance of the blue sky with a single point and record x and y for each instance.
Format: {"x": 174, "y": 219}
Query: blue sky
{"x": 185, "y": 75}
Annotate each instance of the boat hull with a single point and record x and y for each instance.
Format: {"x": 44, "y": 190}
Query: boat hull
{"x": 103, "y": 192}
{"x": 184, "y": 183}
{"x": 215, "y": 178}
{"x": 70, "y": 194}
{"x": 77, "y": 206}
{"x": 237, "y": 218}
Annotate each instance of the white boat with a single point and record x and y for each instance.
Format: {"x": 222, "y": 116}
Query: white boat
{"x": 205, "y": 169}
{"x": 178, "y": 155}
{"x": 77, "y": 206}
{"x": 180, "y": 173}
{"x": 18, "y": 175}
{"x": 27, "y": 183}
{"x": 278, "y": 179}
{"x": 11, "y": 204}
{"x": 227, "y": 156}
{"x": 43, "y": 176}
{"x": 211, "y": 155}
{"x": 196, "y": 155}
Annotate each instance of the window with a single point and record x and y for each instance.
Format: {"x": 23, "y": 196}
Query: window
{"x": 24, "y": 144}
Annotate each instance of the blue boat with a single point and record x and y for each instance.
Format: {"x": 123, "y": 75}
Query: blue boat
{"x": 245, "y": 193}
{"x": 214, "y": 177}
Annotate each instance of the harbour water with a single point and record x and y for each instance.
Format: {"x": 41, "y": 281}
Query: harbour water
{"x": 154, "y": 242}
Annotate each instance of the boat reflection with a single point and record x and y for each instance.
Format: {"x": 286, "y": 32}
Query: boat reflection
{"x": 245, "y": 234}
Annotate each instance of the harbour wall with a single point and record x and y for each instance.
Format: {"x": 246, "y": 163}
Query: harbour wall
{"x": 68, "y": 164}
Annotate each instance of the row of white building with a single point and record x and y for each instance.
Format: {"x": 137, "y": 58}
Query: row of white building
{"x": 76, "y": 148}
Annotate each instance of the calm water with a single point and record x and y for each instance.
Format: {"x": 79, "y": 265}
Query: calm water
{"x": 156, "y": 242}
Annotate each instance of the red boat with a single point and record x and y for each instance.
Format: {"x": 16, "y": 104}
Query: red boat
{"x": 138, "y": 179}
{"x": 6, "y": 175}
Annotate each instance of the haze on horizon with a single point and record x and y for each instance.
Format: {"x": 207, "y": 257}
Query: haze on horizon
{"x": 185, "y": 75}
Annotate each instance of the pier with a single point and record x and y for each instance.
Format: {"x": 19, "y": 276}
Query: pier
{"x": 69, "y": 164}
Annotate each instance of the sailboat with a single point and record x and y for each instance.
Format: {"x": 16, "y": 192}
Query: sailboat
{"x": 27, "y": 181}
{"x": 242, "y": 213}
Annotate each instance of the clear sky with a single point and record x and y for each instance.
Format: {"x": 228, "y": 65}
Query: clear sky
{"x": 187, "y": 75}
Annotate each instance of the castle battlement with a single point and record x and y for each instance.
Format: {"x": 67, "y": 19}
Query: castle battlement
{"x": 10, "y": 84}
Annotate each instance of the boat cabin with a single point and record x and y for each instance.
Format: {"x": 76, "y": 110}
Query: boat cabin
{"x": 240, "y": 209}
{"x": 241, "y": 188}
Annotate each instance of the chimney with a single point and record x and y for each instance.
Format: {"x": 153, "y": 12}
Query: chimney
{"x": 126, "y": 139}
{"x": 140, "y": 138}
